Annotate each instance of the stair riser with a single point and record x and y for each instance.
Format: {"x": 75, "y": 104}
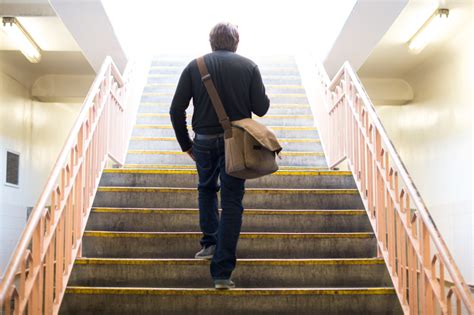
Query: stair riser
{"x": 289, "y": 109}
{"x": 190, "y": 181}
{"x": 174, "y": 146}
{"x": 288, "y": 121}
{"x": 283, "y": 99}
{"x": 309, "y": 304}
{"x": 255, "y": 201}
{"x": 184, "y": 159}
{"x": 263, "y": 276}
{"x": 153, "y": 88}
{"x": 169, "y": 132}
{"x": 186, "y": 247}
{"x": 141, "y": 222}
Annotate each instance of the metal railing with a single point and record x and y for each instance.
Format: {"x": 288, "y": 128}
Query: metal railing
{"x": 37, "y": 274}
{"x": 424, "y": 274}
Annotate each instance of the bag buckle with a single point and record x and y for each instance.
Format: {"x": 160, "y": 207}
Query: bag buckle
{"x": 206, "y": 77}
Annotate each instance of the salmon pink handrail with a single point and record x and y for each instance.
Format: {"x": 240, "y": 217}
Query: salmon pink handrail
{"x": 424, "y": 274}
{"x": 37, "y": 274}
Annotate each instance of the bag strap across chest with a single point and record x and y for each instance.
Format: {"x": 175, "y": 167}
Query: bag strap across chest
{"x": 215, "y": 99}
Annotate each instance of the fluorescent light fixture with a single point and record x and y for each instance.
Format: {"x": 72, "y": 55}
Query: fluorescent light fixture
{"x": 433, "y": 26}
{"x": 22, "y": 39}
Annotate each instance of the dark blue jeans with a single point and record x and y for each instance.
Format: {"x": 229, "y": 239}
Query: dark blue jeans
{"x": 223, "y": 233}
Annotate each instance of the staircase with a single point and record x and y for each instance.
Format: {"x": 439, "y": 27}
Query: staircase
{"x": 306, "y": 246}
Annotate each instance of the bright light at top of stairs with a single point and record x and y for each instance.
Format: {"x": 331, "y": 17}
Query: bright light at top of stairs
{"x": 432, "y": 27}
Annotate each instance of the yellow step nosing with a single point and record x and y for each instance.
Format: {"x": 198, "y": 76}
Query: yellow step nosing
{"x": 293, "y": 128}
{"x": 269, "y": 191}
{"x": 240, "y": 262}
{"x": 262, "y": 68}
{"x": 194, "y": 172}
{"x": 170, "y": 152}
{"x": 193, "y": 167}
{"x": 233, "y": 292}
{"x": 269, "y": 86}
{"x": 288, "y": 105}
{"x": 288, "y": 117}
{"x": 284, "y": 140}
{"x": 243, "y": 235}
{"x": 270, "y": 95}
{"x": 246, "y": 211}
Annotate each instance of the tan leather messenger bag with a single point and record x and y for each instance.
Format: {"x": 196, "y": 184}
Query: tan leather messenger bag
{"x": 250, "y": 147}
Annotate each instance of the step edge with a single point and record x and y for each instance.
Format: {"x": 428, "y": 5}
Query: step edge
{"x": 240, "y": 262}
{"x": 246, "y": 211}
{"x": 193, "y": 172}
{"x": 320, "y": 191}
{"x": 232, "y": 292}
{"x": 243, "y": 235}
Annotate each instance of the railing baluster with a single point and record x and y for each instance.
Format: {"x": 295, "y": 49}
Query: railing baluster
{"x": 406, "y": 235}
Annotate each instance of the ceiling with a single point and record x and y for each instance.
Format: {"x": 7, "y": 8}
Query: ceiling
{"x": 47, "y": 31}
{"x": 60, "y": 53}
{"x": 391, "y": 57}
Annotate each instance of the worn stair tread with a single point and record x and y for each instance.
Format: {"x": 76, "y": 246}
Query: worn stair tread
{"x": 138, "y": 138}
{"x": 165, "y": 115}
{"x": 279, "y": 105}
{"x": 243, "y": 235}
{"x": 269, "y": 94}
{"x": 162, "y": 126}
{"x": 184, "y": 166}
{"x": 246, "y": 211}
{"x": 171, "y": 152}
{"x": 240, "y": 261}
{"x": 177, "y": 171}
{"x": 247, "y": 190}
{"x": 236, "y": 291}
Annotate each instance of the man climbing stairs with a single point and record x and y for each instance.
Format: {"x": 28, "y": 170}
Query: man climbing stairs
{"x": 306, "y": 246}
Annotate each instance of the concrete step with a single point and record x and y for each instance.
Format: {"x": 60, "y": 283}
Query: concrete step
{"x": 157, "y": 301}
{"x": 275, "y": 109}
{"x": 315, "y": 159}
{"x": 250, "y": 273}
{"x": 254, "y": 220}
{"x": 267, "y": 79}
{"x": 193, "y": 167}
{"x": 279, "y": 120}
{"x": 165, "y": 197}
{"x": 274, "y": 98}
{"x": 188, "y": 178}
{"x": 170, "y": 143}
{"x": 251, "y": 245}
{"x": 261, "y": 61}
{"x": 270, "y": 88}
{"x": 280, "y": 131}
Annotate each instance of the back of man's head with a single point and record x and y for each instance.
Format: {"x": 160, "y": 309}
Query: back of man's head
{"x": 224, "y": 36}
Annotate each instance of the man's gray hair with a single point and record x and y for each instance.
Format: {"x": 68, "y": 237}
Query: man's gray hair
{"x": 224, "y": 36}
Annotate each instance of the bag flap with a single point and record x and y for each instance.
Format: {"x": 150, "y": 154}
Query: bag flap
{"x": 264, "y": 135}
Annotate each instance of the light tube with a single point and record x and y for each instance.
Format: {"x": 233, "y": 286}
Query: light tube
{"x": 432, "y": 27}
{"x": 22, "y": 39}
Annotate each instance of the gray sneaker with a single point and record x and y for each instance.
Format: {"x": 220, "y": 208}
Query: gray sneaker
{"x": 206, "y": 252}
{"x": 224, "y": 284}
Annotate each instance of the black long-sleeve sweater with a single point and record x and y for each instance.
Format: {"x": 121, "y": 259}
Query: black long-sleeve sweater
{"x": 240, "y": 87}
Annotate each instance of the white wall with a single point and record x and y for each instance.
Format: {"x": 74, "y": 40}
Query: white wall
{"x": 37, "y": 131}
{"x": 433, "y": 135}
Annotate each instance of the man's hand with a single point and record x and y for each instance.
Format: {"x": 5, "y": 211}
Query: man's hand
{"x": 190, "y": 153}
